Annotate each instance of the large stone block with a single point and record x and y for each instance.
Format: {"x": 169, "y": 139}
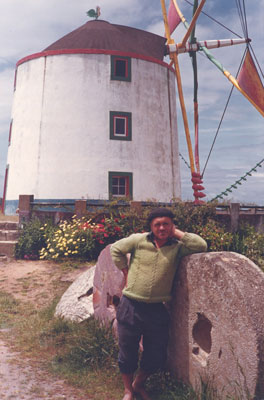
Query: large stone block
{"x": 107, "y": 287}
{"x": 217, "y": 328}
{"x": 76, "y": 303}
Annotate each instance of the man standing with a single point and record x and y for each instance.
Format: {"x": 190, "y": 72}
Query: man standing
{"x": 141, "y": 312}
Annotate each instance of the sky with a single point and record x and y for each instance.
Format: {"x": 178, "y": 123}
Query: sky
{"x": 29, "y": 26}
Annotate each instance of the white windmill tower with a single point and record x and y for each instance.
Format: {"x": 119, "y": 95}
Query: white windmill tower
{"x": 94, "y": 117}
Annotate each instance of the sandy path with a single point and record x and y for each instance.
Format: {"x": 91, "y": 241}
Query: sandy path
{"x": 22, "y": 379}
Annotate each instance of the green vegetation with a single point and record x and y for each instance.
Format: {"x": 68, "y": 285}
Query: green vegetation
{"x": 85, "y": 354}
{"x": 8, "y": 309}
{"x": 84, "y": 238}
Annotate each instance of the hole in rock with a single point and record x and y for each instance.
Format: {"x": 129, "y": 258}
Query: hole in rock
{"x": 220, "y": 353}
{"x": 202, "y": 333}
{"x": 116, "y": 300}
{"x": 112, "y": 300}
{"x": 195, "y": 350}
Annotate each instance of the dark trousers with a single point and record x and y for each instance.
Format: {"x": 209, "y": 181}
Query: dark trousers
{"x": 149, "y": 320}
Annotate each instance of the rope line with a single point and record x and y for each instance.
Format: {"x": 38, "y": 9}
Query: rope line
{"x": 241, "y": 180}
{"x": 256, "y": 60}
{"x": 221, "y": 119}
{"x": 188, "y": 165}
{"x": 215, "y": 20}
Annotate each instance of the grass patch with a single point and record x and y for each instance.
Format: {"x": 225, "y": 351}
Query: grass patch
{"x": 85, "y": 355}
{"x": 9, "y": 308}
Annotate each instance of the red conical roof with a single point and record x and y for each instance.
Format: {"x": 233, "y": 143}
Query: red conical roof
{"x": 102, "y": 35}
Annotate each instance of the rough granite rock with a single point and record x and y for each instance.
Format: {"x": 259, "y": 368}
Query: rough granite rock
{"x": 76, "y": 303}
{"x": 217, "y": 319}
{"x": 108, "y": 284}
{"x": 217, "y": 329}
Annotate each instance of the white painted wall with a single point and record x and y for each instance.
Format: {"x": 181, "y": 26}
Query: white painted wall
{"x": 60, "y": 146}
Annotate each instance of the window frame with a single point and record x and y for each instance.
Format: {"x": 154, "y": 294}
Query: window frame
{"x": 113, "y": 115}
{"x": 128, "y": 188}
{"x": 114, "y": 76}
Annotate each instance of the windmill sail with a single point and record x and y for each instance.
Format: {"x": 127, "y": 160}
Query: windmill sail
{"x": 250, "y": 82}
{"x": 173, "y": 17}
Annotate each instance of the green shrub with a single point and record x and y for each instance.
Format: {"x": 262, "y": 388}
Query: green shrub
{"x": 164, "y": 386}
{"x": 250, "y": 243}
{"x": 32, "y": 239}
{"x": 89, "y": 345}
{"x": 83, "y": 238}
{"x": 188, "y": 216}
{"x": 215, "y": 235}
{"x": 254, "y": 247}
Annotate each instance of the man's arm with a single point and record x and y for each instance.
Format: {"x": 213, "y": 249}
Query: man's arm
{"x": 192, "y": 243}
{"x": 121, "y": 248}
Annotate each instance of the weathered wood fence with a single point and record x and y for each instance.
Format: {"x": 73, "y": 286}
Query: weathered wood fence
{"x": 230, "y": 214}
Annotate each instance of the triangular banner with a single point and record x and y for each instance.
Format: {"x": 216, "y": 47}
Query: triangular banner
{"x": 250, "y": 82}
{"x": 173, "y": 17}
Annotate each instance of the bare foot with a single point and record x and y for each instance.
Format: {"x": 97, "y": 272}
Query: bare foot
{"x": 128, "y": 396}
{"x": 141, "y": 391}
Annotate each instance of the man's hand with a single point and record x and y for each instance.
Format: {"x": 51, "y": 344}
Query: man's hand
{"x": 177, "y": 233}
{"x": 125, "y": 272}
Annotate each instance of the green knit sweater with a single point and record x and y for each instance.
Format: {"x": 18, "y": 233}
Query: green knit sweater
{"x": 151, "y": 270}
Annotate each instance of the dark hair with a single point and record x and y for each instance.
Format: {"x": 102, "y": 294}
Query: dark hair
{"x": 160, "y": 212}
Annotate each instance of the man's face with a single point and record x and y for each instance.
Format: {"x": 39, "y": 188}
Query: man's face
{"x": 162, "y": 227}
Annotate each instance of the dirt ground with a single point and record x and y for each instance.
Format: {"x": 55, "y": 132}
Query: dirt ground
{"x": 35, "y": 282}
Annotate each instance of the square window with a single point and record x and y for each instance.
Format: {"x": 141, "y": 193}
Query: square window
{"x": 120, "y": 125}
{"x": 120, "y": 68}
{"x": 120, "y": 184}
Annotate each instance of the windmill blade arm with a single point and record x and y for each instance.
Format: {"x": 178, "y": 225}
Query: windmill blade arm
{"x": 193, "y": 22}
{"x": 207, "y": 44}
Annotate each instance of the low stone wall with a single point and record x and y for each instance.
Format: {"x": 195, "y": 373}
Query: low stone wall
{"x": 231, "y": 215}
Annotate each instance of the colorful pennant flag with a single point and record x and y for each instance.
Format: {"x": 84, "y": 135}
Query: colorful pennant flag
{"x": 173, "y": 17}
{"x": 249, "y": 81}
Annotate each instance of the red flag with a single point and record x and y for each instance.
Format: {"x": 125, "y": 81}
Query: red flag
{"x": 249, "y": 81}
{"x": 173, "y": 17}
